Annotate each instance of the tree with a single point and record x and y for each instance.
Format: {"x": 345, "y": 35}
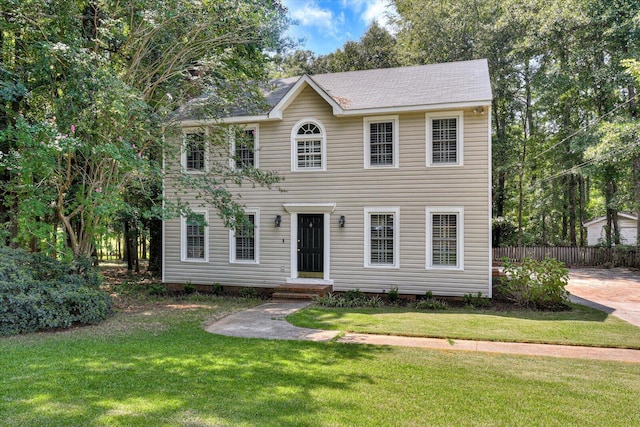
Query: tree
{"x": 103, "y": 79}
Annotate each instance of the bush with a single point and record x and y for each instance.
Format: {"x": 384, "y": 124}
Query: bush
{"x": 350, "y": 299}
{"x": 476, "y": 300}
{"x": 40, "y": 293}
{"x": 536, "y": 284}
{"x": 430, "y": 303}
{"x": 393, "y": 295}
{"x": 248, "y": 293}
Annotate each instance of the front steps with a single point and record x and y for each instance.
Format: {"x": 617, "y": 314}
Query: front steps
{"x": 301, "y": 291}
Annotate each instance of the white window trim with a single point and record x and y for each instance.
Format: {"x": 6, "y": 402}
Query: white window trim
{"x": 256, "y": 144}
{"x": 183, "y": 237}
{"x": 459, "y": 211}
{"x": 294, "y": 145}
{"x": 459, "y": 116}
{"x": 395, "y": 211}
{"x": 367, "y": 140}
{"x": 256, "y": 241}
{"x": 183, "y": 150}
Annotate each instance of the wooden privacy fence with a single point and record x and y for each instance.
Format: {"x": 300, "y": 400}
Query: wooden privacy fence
{"x": 573, "y": 256}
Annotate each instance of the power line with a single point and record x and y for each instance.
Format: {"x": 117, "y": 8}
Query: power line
{"x": 585, "y": 127}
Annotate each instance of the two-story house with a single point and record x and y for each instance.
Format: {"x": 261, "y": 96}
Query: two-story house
{"x": 387, "y": 175}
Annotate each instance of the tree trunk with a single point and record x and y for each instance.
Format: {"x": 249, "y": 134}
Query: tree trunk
{"x": 572, "y": 210}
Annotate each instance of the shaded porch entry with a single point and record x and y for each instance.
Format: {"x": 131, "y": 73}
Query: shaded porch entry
{"x": 310, "y": 246}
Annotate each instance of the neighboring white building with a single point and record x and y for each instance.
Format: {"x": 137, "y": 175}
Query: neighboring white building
{"x": 388, "y": 183}
{"x": 628, "y": 229}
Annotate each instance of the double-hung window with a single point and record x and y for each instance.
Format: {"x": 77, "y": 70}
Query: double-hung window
{"x": 194, "y": 152}
{"x": 444, "y": 139}
{"x": 195, "y": 237}
{"x": 244, "y": 147}
{"x": 445, "y": 238}
{"x": 382, "y": 237}
{"x": 244, "y": 241}
{"x": 381, "y": 142}
{"x": 308, "y": 146}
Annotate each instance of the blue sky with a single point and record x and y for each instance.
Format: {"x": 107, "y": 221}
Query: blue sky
{"x": 328, "y": 24}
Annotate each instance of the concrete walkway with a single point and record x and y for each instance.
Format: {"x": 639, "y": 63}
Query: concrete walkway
{"x": 268, "y": 321}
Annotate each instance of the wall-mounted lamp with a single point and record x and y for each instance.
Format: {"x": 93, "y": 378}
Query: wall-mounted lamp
{"x": 478, "y": 110}
{"x": 341, "y": 221}
{"x": 278, "y": 220}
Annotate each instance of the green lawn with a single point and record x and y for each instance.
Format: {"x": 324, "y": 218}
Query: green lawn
{"x": 158, "y": 367}
{"x": 581, "y": 326}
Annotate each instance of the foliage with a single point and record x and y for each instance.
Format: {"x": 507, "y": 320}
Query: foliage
{"x": 248, "y": 293}
{"x": 431, "y": 304}
{"x": 39, "y": 293}
{"x": 393, "y": 295}
{"x": 88, "y": 89}
{"x": 536, "y": 284}
{"x": 349, "y": 299}
{"x": 476, "y": 301}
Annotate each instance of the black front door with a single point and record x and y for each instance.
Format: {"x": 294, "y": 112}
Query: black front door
{"x": 310, "y": 245}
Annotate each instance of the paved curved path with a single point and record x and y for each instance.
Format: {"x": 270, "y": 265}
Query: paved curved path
{"x": 268, "y": 321}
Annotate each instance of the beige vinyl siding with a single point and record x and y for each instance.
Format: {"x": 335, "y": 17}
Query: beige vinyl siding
{"x": 411, "y": 187}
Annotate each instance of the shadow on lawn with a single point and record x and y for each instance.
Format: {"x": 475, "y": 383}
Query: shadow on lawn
{"x": 579, "y": 312}
{"x": 184, "y": 378}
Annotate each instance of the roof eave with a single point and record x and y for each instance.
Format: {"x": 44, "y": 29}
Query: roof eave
{"x": 414, "y": 108}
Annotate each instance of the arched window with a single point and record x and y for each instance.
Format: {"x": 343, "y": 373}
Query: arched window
{"x": 308, "y": 146}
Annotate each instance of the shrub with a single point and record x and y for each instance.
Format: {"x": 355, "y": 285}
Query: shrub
{"x": 40, "y": 293}
{"x": 248, "y": 293}
{"x": 393, "y": 295}
{"x": 217, "y": 289}
{"x": 350, "y": 299}
{"x": 476, "y": 301}
{"x": 431, "y": 304}
{"x": 536, "y": 284}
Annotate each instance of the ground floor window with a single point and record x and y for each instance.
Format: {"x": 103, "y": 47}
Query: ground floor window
{"x": 382, "y": 237}
{"x": 244, "y": 241}
{"x": 444, "y": 238}
{"x": 195, "y": 236}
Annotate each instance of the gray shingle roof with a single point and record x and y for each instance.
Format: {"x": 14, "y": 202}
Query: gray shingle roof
{"x": 454, "y": 82}
{"x": 421, "y": 86}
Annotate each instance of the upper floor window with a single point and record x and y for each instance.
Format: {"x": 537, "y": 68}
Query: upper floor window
{"x": 381, "y": 141}
{"x": 445, "y": 238}
{"x": 244, "y": 241}
{"x": 195, "y": 237}
{"x": 194, "y": 152}
{"x": 244, "y": 147}
{"x": 308, "y": 146}
{"x": 444, "y": 139}
{"x": 382, "y": 237}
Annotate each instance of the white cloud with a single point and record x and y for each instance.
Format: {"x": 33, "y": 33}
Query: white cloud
{"x": 372, "y": 10}
{"x": 310, "y": 14}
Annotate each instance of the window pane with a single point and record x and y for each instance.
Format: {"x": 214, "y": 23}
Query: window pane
{"x": 382, "y": 239}
{"x": 309, "y": 154}
{"x": 195, "y": 150}
{"x": 245, "y": 142}
{"x": 245, "y": 241}
{"x": 445, "y": 239}
{"x": 381, "y": 143}
{"x": 195, "y": 236}
{"x": 444, "y": 136}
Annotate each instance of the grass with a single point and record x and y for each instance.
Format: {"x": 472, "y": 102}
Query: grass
{"x": 581, "y": 326}
{"x": 154, "y": 365}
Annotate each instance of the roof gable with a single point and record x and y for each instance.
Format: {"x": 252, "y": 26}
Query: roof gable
{"x": 623, "y": 215}
{"x": 304, "y": 81}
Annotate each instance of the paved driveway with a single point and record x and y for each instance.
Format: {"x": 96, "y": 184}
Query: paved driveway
{"x": 614, "y": 290}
